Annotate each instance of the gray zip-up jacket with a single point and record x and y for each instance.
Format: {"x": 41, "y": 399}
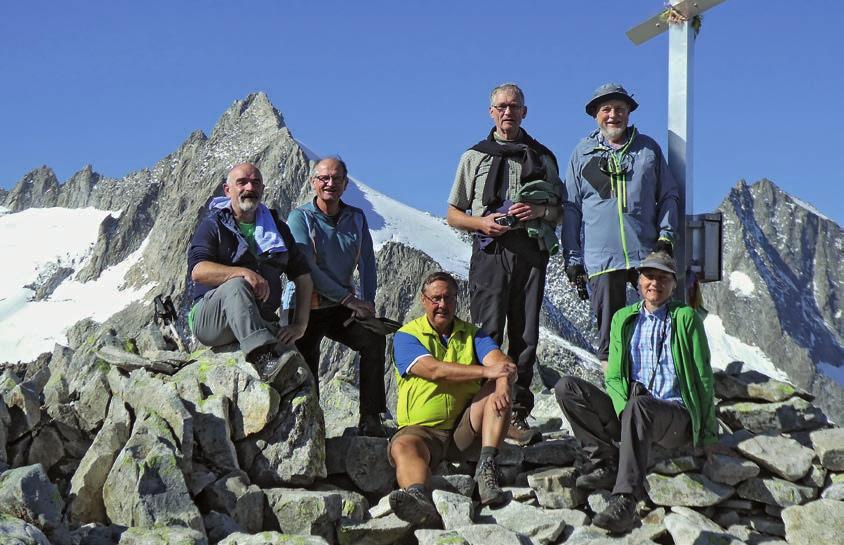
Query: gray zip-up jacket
{"x": 334, "y": 248}
{"x": 620, "y": 201}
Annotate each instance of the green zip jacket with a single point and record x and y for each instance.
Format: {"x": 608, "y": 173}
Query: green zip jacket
{"x": 691, "y": 362}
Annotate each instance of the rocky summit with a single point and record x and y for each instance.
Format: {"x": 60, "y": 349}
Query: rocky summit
{"x": 120, "y": 437}
{"x": 129, "y": 441}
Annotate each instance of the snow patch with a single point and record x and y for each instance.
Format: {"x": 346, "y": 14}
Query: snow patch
{"x": 809, "y": 207}
{"x": 741, "y": 284}
{"x": 390, "y": 220}
{"x": 35, "y": 241}
{"x": 835, "y": 372}
{"x": 4, "y": 210}
{"x": 725, "y": 349}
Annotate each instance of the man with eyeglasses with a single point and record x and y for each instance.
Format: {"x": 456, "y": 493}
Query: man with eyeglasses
{"x": 453, "y": 401}
{"x": 236, "y": 259}
{"x": 334, "y": 238}
{"x": 507, "y": 191}
{"x": 621, "y": 200}
{"x": 659, "y": 389}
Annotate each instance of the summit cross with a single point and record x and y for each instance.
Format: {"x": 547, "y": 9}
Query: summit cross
{"x": 681, "y": 20}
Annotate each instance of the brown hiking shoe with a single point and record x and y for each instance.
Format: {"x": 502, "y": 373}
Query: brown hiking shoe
{"x": 520, "y": 433}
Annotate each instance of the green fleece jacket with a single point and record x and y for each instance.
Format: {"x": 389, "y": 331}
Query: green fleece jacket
{"x": 691, "y": 362}
{"x": 548, "y": 194}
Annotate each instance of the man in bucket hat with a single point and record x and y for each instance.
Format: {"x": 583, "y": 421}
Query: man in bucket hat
{"x": 659, "y": 389}
{"x": 620, "y": 192}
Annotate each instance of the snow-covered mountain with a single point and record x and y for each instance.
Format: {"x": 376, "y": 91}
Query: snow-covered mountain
{"x": 101, "y": 248}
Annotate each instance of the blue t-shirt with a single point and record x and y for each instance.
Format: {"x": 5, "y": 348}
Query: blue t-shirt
{"x": 407, "y": 349}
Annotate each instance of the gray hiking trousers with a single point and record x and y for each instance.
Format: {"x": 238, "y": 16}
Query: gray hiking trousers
{"x": 230, "y": 313}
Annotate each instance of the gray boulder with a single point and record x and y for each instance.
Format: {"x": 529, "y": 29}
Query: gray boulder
{"x": 555, "y": 488}
{"x": 385, "y": 530}
{"x": 784, "y": 416}
{"x": 145, "y": 393}
{"x": 676, "y": 465}
{"x": 5, "y": 422}
{"x": 688, "y": 527}
{"x": 14, "y": 531}
{"x": 834, "y": 492}
{"x": 829, "y": 444}
{"x": 754, "y": 385}
{"x": 363, "y": 459}
{"x": 686, "y": 489}
{"x": 458, "y": 483}
{"x": 213, "y": 431}
{"x": 782, "y": 456}
{"x": 306, "y": 512}
{"x": 456, "y": 510}
{"x": 542, "y": 525}
{"x": 23, "y": 401}
{"x": 86, "y": 485}
{"x": 729, "y": 469}
{"x": 272, "y": 538}
{"x": 234, "y": 496}
{"x": 26, "y": 493}
{"x": 774, "y": 491}
{"x": 489, "y": 534}
{"x": 559, "y": 452}
{"x": 166, "y": 535}
{"x": 816, "y": 522}
{"x": 439, "y": 537}
{"x": 146, "y": 487}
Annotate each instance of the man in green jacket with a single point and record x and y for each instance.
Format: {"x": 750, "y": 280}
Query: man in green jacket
{"x": 659, "y": 389}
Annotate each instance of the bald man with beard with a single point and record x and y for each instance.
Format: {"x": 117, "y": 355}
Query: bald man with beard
{"x": 236, "y": 258}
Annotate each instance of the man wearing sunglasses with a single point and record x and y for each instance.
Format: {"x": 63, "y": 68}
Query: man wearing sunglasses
{"x": 507, "y": 192}
{"x": 334, "y": 238}
{"x": 621, "y": 200}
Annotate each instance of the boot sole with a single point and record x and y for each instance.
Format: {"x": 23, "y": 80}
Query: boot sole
{"x": 408, "y": 509}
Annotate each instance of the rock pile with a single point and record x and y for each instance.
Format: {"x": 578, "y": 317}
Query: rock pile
{"x": 131, "y": 442}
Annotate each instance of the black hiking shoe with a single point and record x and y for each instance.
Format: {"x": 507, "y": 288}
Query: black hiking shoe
{"x": 266, "y": 362}
{"x": 413, "y": 506}
{"x": 489, "y": 491}
{"x": 619, "y": 516}
{"x": 370, "y": 425}
{"x": 520, "y": 433}
{"x": 600, "y": 478}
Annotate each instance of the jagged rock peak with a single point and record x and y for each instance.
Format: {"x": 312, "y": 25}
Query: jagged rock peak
{"x": 254, "y": 113}
{"x": 39, "y": 187}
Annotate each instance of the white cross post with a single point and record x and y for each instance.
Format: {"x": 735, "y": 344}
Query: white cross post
{"x": 678, "y": 21}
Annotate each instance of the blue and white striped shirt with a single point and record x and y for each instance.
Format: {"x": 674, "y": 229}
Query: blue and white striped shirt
{"x": 650, "y": 351}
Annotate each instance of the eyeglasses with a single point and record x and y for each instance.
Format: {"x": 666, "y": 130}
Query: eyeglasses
{"x": 440, "y": 299}
{"x": 324, "y": 178}
{"x": 503, "y": 107}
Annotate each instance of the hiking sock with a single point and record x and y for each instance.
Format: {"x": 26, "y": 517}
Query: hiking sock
{"x": 419, "y": 487}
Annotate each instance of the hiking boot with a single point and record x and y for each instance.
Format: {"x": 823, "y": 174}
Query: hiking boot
{"x": 619, "y": 516}
{"x": 370, "y": 425}
{"x": 600, "y": 478}
{"x": 489, "y": 491}
{"x": 520, "y": 433}
{"x": 413, "y": 506}
{"x": 266, "y": 363}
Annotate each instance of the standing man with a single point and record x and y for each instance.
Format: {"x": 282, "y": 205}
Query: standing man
{"x": 507, "y": 192}
{"x": 619, "y": 188}
{"x": 660, "y": 388}
{"x": 334, "y": 238}
{"x": 236, "y": 259}
{"x": 453, "y": 396}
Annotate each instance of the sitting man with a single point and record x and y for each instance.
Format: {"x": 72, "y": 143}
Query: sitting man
{"x": 236, "y": 259}
{"x": 453, "y": 390}
{"x": 334, "y": 238}
{"x": 660, "y": 390}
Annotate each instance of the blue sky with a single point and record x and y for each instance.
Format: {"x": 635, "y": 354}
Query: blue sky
{"x": 400, "y": 89}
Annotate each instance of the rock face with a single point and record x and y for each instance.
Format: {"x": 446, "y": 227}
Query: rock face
{"x": 791, "y": 258}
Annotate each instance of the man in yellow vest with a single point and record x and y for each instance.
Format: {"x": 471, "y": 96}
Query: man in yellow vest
{"x": 454, "y": 396}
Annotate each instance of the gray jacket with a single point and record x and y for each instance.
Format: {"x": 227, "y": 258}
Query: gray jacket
{"x": 619, "y": 211}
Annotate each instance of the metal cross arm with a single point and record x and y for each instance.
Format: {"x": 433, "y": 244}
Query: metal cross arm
{"x": 658, "y": 24}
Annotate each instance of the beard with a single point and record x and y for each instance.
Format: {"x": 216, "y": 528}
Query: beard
{"x": 248, "y": 204}
{"x": 613, "y": 133}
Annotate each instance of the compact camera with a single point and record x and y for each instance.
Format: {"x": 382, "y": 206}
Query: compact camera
{"x": 507, "y": 221}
